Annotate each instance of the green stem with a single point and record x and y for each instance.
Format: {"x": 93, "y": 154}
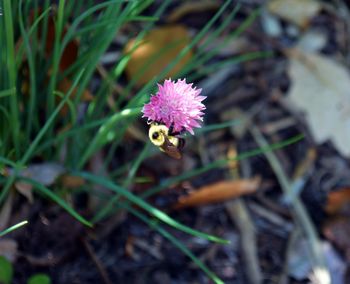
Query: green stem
{"x": 10, "y": 47}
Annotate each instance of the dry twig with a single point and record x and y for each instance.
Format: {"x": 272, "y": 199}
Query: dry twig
{"x": 299, "y": 212}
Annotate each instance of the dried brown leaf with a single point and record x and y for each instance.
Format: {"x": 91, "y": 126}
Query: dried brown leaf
{"x": 26, "y": 190}
{"x": 219, "y": 192}
{"x": 161, "y": 46}
{"x": 72, "y": 181}
{"x": 338, "y": 201}
{"x": 70, "y": 52}
{"x": 298, "y": 12}
{"x": 337, "y": 230}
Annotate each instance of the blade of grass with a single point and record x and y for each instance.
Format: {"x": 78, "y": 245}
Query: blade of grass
{"x": 4, "y": 136}
{"x": 150, "y": 209}
{"x": 32, "y": 74}
{"x": 8, "y": 92}
{"x": 71, "y": 106}
{"x": 202, "y": 52}
{"x": 154, "y": 225}
{"x": 208, "y": 55}
{"x": 8, "y": 162}
{"x": 12, "y": 228}
{"x": 78, "y": 130}
{"x": 73, "y": 28}
{"x": 11, "y": 70}
{"x": 207, "y": 70}
{"x": 56, "y": 56}
{"x": 216, "y": 126}
{"x": 106, "y": 133}
{"x": 54, "y": 197}
{"x": 214, "y": 35}
{"x": 143, "y": 19}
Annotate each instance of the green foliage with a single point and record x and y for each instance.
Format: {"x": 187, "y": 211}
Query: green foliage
{"x": 39, "y": 278}
{"x": 9, "y": 230}
{"x": 6, "y": 271}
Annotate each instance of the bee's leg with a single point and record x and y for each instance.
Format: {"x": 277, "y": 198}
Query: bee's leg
{"x": 183, "y": 130}
{"x": 171, "y": 129}
{"x": 181, "y": 143}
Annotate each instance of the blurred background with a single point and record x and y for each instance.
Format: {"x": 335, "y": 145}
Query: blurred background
{"x": 262, "y": 191}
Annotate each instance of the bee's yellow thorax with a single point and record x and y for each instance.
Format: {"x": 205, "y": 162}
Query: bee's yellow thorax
{"x": 158, "y": 133}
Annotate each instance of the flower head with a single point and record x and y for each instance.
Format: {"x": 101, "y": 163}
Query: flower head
{"x": 176, "y": 104}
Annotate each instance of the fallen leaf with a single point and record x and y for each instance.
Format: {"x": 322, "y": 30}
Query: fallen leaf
{"x": 26, "y": 190}
{"x": 299, "y": 259}
{"x": 5, "y": 212}
{"x": 129, "y": 246}
{"x": 338, "y": 202}
{"x": 72, "y": 181}
{"x": 191, "y": 7}
{"x": 320, "y": 88}
{"x": 270, "y": 24}
{"x": 337, "y": 230}
{"x": 45, "y": 173}
{"x": 313, "y": 40}
{"x": 298, "y": 12}
{"x": 159, "y": 48}
{"x": 70, "y": 52}
{"x": 219, "y": 192}
{"x": 335, "y": 263}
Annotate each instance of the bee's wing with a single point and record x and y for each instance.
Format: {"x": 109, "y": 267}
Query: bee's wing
{"x": 171, "y": 150}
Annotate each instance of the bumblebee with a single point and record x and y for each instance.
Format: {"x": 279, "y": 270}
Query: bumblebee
{"x": 166, "y": 139}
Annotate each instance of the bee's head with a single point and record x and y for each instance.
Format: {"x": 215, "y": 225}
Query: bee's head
{"x": 157, "y": 134}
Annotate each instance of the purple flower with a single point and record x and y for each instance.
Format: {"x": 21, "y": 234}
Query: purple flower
{"x": 176, "y": 103}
